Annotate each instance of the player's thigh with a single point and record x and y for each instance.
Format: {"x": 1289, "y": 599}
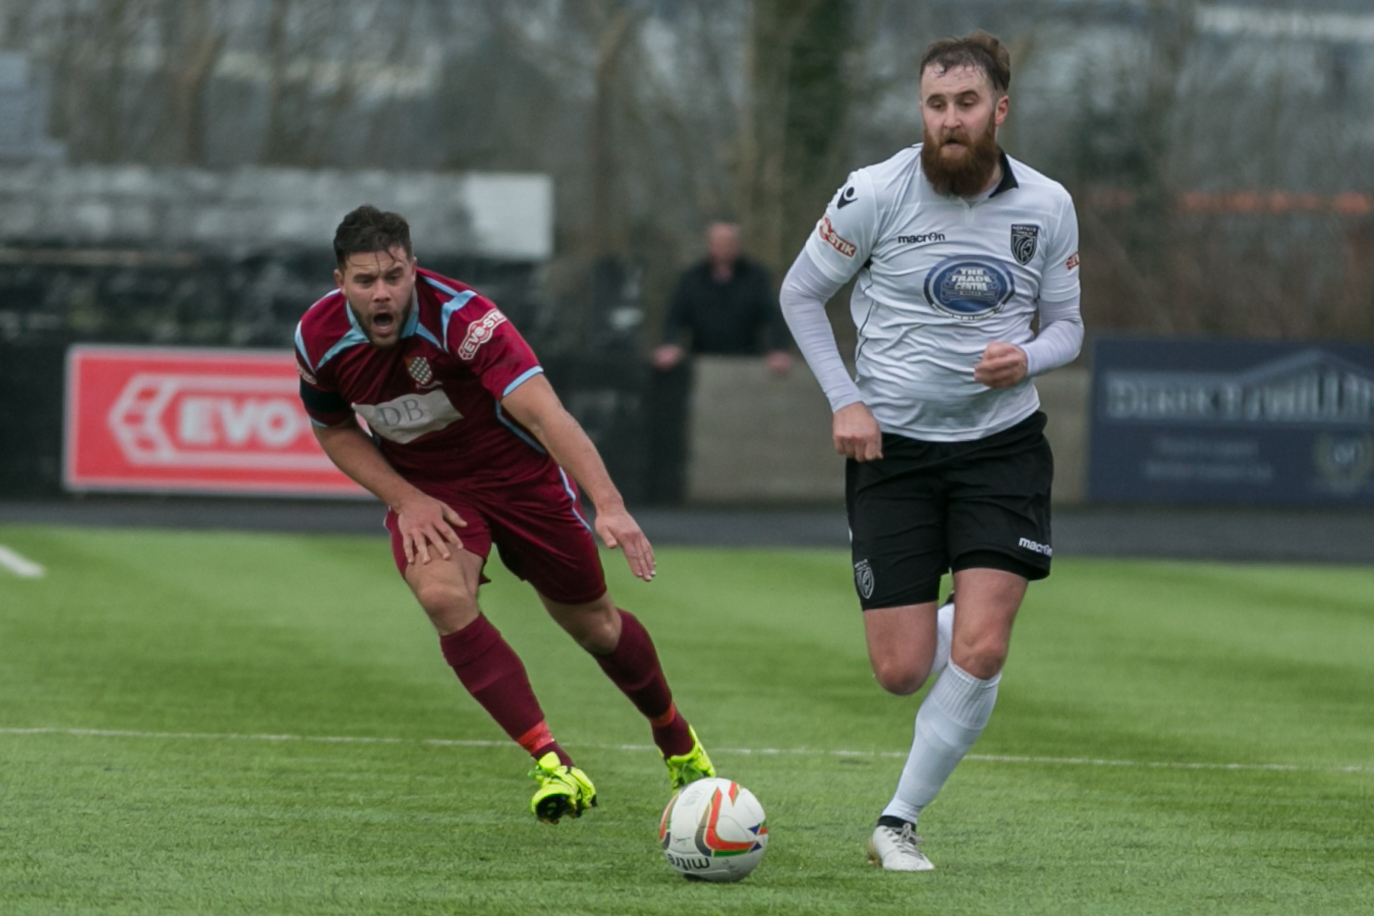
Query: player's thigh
{"x": 901, "y": 645}
{"x": 999, "y": 503}
{"x": 542, "y": 537}
{"x": 447, "y": 589}
{"x": 986, "y": 602}
{"x": 897, "y": 527}
{"x": 474, "y": 537}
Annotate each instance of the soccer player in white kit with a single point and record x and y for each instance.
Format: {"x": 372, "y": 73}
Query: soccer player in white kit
{"x": 957, "y": 248}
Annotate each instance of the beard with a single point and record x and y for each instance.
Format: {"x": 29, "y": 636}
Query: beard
{"x": 965, "y": 173}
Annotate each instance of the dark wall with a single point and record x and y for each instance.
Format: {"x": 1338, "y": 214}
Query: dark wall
{"x": 207, "y": 299}
{"x": 31, "y": 419}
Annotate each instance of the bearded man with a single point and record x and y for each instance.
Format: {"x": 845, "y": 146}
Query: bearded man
{"x": 958, "y": 249}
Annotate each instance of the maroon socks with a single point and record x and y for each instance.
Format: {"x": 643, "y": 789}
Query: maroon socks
{"x": 633, "y": 667}
{"x": 491, "y": 671}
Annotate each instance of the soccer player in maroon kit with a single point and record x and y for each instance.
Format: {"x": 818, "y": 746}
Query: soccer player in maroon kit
{"x": 471, "y": 447}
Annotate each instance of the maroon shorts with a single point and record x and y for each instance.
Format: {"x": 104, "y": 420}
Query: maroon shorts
{"x": 536, "y": 524}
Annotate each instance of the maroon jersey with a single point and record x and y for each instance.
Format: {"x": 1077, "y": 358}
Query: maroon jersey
{"x": 433, "y": 401}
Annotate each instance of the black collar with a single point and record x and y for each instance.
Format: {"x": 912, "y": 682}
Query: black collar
{"x": 1008, "y": 177}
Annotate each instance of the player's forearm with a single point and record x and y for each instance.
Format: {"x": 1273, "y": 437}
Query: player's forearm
{"x": 1060, "y": 337}
{"x": 357, "y": 456}
{"x": 575, "y": 453}
{"x": 535, "y": 405}
{"x": 804, "y": 293}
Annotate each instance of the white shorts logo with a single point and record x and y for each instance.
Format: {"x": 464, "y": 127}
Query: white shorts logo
{"x": 863, "y": 578}
{"x": 410, "y": 416}
{"x": 1038, "y": 548}
{"x": 479, "y": 332}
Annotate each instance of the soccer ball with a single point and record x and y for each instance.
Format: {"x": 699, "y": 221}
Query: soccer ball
{"x": 713, "y": 830}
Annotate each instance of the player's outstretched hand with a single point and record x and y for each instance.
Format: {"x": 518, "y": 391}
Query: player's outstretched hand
{"x": 856, "y": 433}
{"x": 618, "y": 528}
{"x": 1002, "y": 365}
{"x": 424, "y": 520}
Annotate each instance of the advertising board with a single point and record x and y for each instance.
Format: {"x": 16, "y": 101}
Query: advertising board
{"x": 191, "y": 421}
{"x": 1227, "y": 421}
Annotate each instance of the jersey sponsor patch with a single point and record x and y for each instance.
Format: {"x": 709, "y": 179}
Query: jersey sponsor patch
{"x": 305, "y": 374}
{"x": 834, "y": 239}
{"x": 863, "y": 578}
{"x": 1024, "y": 238}
{"x": 969, "y": 288}
{"x": 479, "y": 332}
{"x": 410, "y": 416}
{"x": 1072, "y": 262}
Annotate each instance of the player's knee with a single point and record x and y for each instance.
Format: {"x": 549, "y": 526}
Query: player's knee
{"x": 594, "y": 632}
{"x": 982, "y": 659}
{"x": 598, "y": 640}
{"x": 594, "y": 626}
{"x": 899, "y": 677}
{"x": 449, "y": 608}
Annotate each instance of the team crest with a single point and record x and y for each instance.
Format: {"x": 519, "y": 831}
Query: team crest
{"x": 419, "y": 369}
{"x": 863, "y": 578}
{"x": 1023, "y": 241}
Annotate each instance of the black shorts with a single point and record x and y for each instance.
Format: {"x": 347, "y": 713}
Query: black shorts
{"x": 926, "y": 508}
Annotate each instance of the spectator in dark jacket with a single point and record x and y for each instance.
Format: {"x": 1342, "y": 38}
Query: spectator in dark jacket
{"x": 725, "y": 305}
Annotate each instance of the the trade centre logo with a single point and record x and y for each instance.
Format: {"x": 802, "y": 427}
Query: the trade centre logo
{"x": 968, "y": 288}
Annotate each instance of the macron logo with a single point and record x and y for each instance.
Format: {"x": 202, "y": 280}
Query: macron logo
{"x": 479, "y": 332}
{"x": 1038, "y": 548}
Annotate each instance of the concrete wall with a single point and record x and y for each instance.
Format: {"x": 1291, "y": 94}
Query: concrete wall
{"x": 756, "y": 439}
{"x": 1064, "y": 395}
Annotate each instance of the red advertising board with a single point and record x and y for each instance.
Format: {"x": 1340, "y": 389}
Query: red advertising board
{"x": 191, "y": 421}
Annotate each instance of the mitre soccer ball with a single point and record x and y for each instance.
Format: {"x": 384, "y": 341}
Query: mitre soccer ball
{"x": 713, "y": 830}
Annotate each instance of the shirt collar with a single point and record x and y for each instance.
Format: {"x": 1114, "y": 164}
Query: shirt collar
{"x": 1008, "y": 176}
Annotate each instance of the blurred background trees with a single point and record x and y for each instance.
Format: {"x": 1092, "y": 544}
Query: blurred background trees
{"x": 1220, "y": 154}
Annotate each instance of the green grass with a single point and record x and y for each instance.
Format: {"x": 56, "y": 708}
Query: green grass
{"x": 223, "y": 635}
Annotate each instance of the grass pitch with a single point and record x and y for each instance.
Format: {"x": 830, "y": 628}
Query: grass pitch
{"x": 1170, "y": 738}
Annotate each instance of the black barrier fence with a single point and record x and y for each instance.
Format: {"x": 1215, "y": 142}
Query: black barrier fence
{"x": 634, "y": 414}
{"x": 31, "y": 419}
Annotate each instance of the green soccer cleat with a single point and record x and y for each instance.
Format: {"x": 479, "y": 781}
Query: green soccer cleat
{"x": 691, "y": 766}
{"x": 563, "y": 790}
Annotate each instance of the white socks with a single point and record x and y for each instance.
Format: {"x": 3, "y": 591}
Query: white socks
{"x": 954, "y": 714}
{"x": 944, "y": 635}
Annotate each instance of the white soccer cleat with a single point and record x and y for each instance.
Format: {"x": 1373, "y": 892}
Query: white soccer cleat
{"x": 895, "y": 850}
